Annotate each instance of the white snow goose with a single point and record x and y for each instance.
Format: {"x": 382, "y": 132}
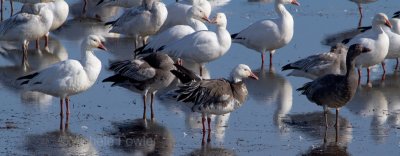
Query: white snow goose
{"x": 213, "y": 96}
{"x": 202, "y": 46}
{"x": 315, "y": 66}
{"x": 25, "y": 27}
{"x": 359, "y": 2}
{"x": 146, "y": 20}
{"x": 334, "y": 90}
{"x": 59, "y": 9}
{"x": 269, "y": 34}
{"x": 68, "y": 77}
{"x": 144, "y": 76}
{"x": 177, "y": 12}
{"x": 177, "y": 32}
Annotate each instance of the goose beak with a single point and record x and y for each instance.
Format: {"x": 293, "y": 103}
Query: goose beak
{"x": 101, "y": 1}
{"x": 101, "y": 46}
{"x": 294, "y": 2}
{"x": 253, "y": 76}
{"x": 206, "y": 19}
{"x": 387, "y": 23}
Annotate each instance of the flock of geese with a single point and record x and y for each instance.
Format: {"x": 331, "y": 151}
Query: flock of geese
{"x": 165, "y": 34}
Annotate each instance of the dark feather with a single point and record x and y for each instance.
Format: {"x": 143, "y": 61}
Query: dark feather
{"x": 117, "y": 78}
{"x": 110, "y": 23}
{"x": 345, "y": 41}
{"x": 30, "y": 76}
{"x": 234, "y": 35}
{"x": 185, "y": 75}
{"x": 288, "y": 66}
{"x": 363, "y": 29}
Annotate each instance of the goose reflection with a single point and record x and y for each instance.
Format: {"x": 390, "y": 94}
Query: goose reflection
{"x": 272, "y": 88}
{"x": 208, "y": 150}
{"x": 38, "y": 58}
{"x": 59, "y": 142}
{"x": 143, "y": 137}
{"x": 371, "y": 102}
{"x": 335, "y": 141}
{"x": 94, "y": 11}
{"x": 79, "y": 28}
{"x": 391, "y": 89}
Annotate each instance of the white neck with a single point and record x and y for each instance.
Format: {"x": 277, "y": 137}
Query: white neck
{"x": 91, "y": 64}
{"x": 197, "y": 25}
{"x": 224, "y": 38}
{"x": 236, "y": 79}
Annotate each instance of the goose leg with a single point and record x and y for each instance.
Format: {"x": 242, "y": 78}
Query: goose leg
{"x": 361, "y": 15}
{"x": 359, "y": 75}
{"x": 262, "y": 58}
{"x": 37, "y": 43}
{"x": 67, "y": 105}
{"x": 270, "y": 58}
{"x": 209, "y": 129}
{"x": 135, "y": 48}
{"x": 84, "y": 7}
{"x": 12, "y": 8}
{"x": 337, "y": 124}
{"x": 46, "y": 41}
{"x": 1, "y": 3}
{"x": 61, "y": 108}
{"x": 326, "y": 118}
{"x": 201, "y": 70}
{"x": 151, "y": 106}
{"x": 144, "y": 106}
{"x": 397, "y": 64}
{"x": 203, "y": 119}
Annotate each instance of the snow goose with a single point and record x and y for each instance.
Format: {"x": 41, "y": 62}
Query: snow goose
{"x": 359, "y": 2}
{"x": 59, "y": 8}
{"x": 177, "y": 32}
{"x": 333, "y": 90}
{"x": 20, "y": 1}
{"x": 121, "y": 3}
{"x": 315, "y": 66}
{"x": 146, "y": 20}
{"x": 270, "y": 34}
{"x": 91, "y": 10}
{"x": 68, "y": 77}
{"x": 213, "y": 96}
{"x": 202, "y": 46}
{"x": 177, "y": 12}
{"x": 144, "y": 76}
{"x": 24, "y": 27}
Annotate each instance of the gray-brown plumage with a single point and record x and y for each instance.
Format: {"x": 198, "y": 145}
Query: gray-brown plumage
{"x": 147, "y": 75}
{"x": 213, "y": 96}
{"x": 332, "y": 90}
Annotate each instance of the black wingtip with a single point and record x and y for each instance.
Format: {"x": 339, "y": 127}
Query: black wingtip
{"x": 30, "y": 76}
{"x": 115, "y": 78}
{"x": 25, "y": 82}
{"x": 288, "y": 67}
{"x": 233, "y": 36}
{"x": 363, "y": 29}
{"x": 184, "y": 75}
{"x": 110, "y": 23}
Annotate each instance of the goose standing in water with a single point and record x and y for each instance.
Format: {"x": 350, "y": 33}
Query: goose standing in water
{"x": 144, "y": 76}
{"x": 59, "y": 9}
{"x": 25, "y": 27}
{"x": 146, "y": 20}
{"x": 315, "y": 66}
{"x": 203, "y": 46}
{"x": 177, "y": 32}
{"x": 213, "y": 96}
{"x": 68, "y": 77}
{"x": 334, "y": 90}
{"x": 269, "y": 34}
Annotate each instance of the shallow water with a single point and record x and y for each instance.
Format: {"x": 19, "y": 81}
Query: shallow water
{"x": 275, "y": 120}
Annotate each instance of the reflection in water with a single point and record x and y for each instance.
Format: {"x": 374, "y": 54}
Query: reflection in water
{"x": 208, "y": 150}
{"x": 334, "y": 141}
{"x": 37, "y": 58}
{"x": 391, "y": 89}
{"x": 370, "y": 101}
{"x": 97, "y": 12}
{"x": 59, "y": 142}
{"x": 79, "y": 28}
{"x": 143, "y": 137}
{"x": 272, "y": 88}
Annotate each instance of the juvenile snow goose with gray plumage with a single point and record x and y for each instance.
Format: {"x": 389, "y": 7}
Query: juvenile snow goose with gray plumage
{"x": 143, "y": 76}
{"x": 213, "y": 96}
{"x": 333, "y": 90}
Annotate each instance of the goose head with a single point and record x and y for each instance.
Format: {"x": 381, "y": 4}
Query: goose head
{"x": 95, "y": 41}
{"x": 294, "y": 2}
{"x": 242, "y": 71}
{"x": 381, "y": 19}
{"x": 355, "y": 50}
{"x": 198, "y": 13}
{"x": 219, "y": 20}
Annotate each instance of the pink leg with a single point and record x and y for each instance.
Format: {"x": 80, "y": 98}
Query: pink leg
{"x": 270, "y": 59}
{"x": 67, "y": 105}
{"x": 203, "y": 119}
{"x": 46, "y": 41}
{"x": 384, "y": 70}
{"x": 61, "y": 107}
